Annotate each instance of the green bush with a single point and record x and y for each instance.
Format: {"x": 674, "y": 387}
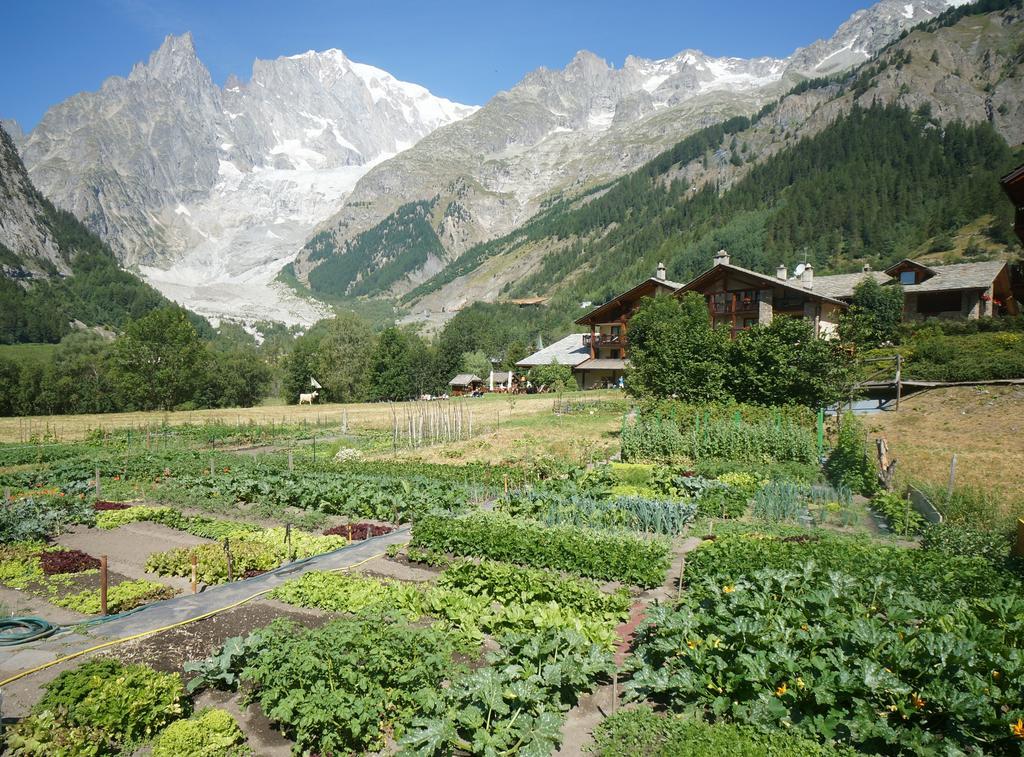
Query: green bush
{"x": 849, "y": 464}
{"x": 957, "y": 540}
{"x": 118, "y": 705}
{"x": 641, "y": 732}
{"x": 210, "y": 733}
{"x": 987, "y": 356}
{"x": 587, "y": 552}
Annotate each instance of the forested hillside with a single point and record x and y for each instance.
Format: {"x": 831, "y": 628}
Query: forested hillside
{"x": 84, "y": 283}
{"x": 862, "y": 168}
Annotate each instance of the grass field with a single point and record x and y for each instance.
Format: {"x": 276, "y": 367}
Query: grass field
{"x": 983, "y": 426}
{"x": 490, "y": 411}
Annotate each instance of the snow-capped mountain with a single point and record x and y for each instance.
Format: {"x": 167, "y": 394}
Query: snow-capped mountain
{"x": 210, "y": 191}
{"x": 560, "y": 130}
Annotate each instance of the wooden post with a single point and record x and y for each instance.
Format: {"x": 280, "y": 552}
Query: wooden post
{"x": 103, "y": 584}
{"x": 212, "y": 469}
{"x": 952, "y": 478}
{"x": 506, "y": 483}
{"x": 615, "y": 691}
{"x": 350, "y": 532}
{"x": 195, "y": 576}
{"x": 97, "y": 483}
{"x": 227, "y": 555}
{"x": 291, "y": 460}
{"x": 7, "y": 494}
{"x": 899, "y": 380}
{"x": 314, "y": 449}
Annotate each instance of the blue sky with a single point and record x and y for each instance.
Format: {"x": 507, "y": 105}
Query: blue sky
{"x": 463, "y": 50}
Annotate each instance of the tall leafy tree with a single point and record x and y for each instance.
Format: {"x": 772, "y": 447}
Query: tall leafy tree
{"x": 392, "y": 367}
{"x": 160, "y": 360}
{"x": 874, "y": 316}
{"x": 783, "y": 362}
{"x": 674, "y": 351}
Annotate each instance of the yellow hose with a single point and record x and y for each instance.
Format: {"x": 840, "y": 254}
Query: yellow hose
{"x": 114, "y": 642}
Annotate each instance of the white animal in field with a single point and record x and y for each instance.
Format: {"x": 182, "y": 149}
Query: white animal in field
{"x": 307, "y": 398}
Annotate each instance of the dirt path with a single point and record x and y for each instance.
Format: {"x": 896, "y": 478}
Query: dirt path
{"x": 580, "y": 721}
{"x": 128, "y": 547}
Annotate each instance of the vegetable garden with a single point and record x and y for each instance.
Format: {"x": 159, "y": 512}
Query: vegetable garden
{"x": 508, "y": 594}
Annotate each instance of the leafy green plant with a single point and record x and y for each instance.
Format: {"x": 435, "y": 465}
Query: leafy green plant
{"x": 516, "y": 704}
{"x": 903, "y": 518}
{"x": 849, "y": 464}
{"x": 210, "y": 733}
{"x": 118, "y": 705}
{"x": 839, "y": 657}
{"x": 643, "y": 514}
{"x": 474, "y": 598}
{"x": 587, "y": 552}
{"x": 120, "y": 597}
{"x": 39, "y": 517}
{"x": 197, "y": 525}
{"x": 956, "y": 540}
{"x": 342, "y": 687}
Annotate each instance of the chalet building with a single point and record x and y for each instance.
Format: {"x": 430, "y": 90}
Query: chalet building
{"x": 608, "y": 340}
{"x": 1013, "y": 185}
{"x": 739, "y": 298}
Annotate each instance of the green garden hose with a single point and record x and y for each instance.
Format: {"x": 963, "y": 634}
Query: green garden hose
{"x": 14, "y": 631}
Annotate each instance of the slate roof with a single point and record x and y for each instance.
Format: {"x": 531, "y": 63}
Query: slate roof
{"x": 841, "y": 285}
{"x": 795, "y": 285}
{"x": 947, "y": 278}
{"x": 602, "y": 364}
{"x": 566, "y": 351}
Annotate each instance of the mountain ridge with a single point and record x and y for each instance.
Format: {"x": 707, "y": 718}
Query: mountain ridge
{"x": 562, "y": 131}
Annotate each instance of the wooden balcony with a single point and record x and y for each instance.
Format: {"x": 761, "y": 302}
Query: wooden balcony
{"x": 743, "y": 302}
{"x": 604, "y": 340}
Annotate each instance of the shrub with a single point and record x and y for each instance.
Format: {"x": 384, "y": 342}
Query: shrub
{"x": 210, "y": 733}
{"x": 936, "y": 356}
{"x": 586, "y": 552}
{"x": 849, "y": 464}
{"x": 120, "y": 705}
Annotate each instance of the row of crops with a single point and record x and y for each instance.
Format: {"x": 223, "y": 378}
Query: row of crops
{"x": 786, "y": 634}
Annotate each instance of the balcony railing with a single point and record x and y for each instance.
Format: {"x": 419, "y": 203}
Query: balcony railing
{"x": 729, "y": 303}
{"x": 604, "y": 340}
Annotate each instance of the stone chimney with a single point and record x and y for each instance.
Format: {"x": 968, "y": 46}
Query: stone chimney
{"x": 808, "y": 276}
{"x": 781, "y": 273}
{"x": 721, "y": 258}
{"x": 866, "y": 268}
{"x": 661, "y": 272}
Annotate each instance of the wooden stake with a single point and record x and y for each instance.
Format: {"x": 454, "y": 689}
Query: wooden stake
{"x": 7, "y": 494}
{"x": 615, "y": 691}
{"x": 227, "y": 555}
{"x": 952, "y": 477}
{"x": 103, "y": 584}
{"x": 97, "y": 483}
{"x": 291, "y": 460}
{"x": 194, "y": 573}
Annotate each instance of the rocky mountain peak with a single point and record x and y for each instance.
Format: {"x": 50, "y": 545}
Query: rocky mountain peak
{"x": 175, "y": 60}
